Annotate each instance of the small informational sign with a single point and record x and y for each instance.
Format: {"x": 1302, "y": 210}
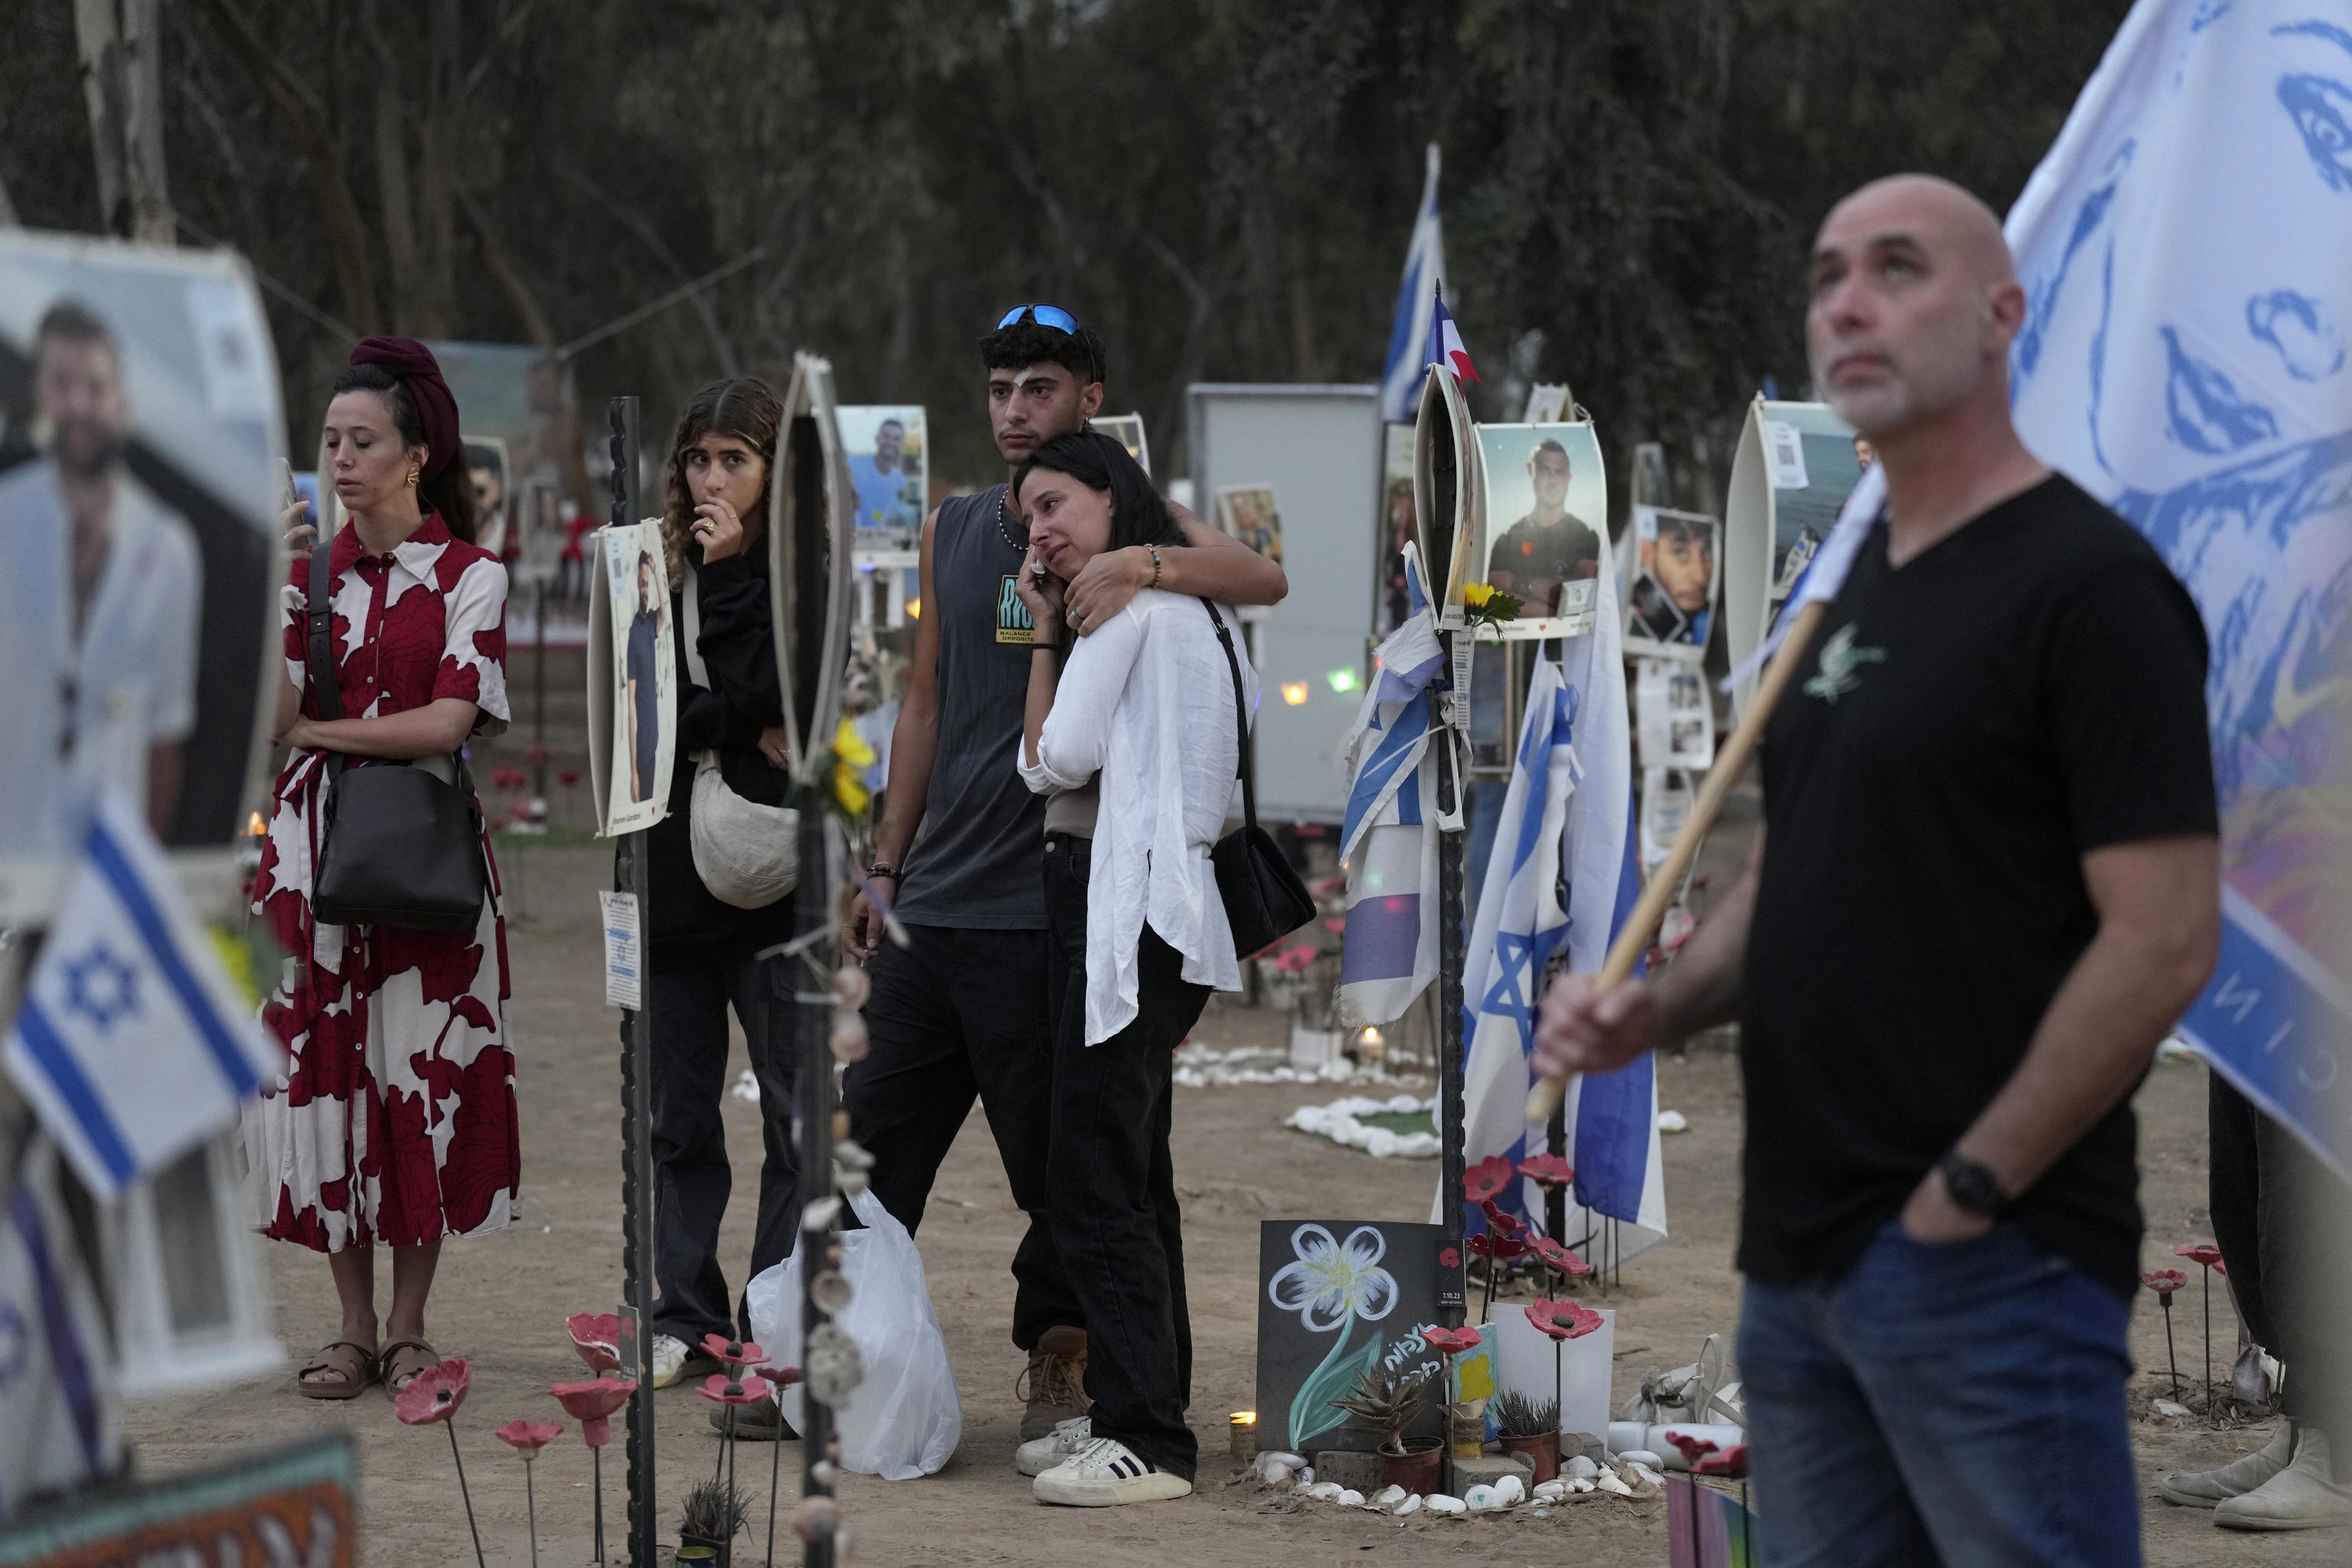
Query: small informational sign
{"x": 1341, "y": 1302}
{"x": 1784, "y": 448}
{"x": 624, "y": 959}
{"x": 290, "y": 1505}
{"x": 1674, "y": 722}
{"x": 632, "y": 680}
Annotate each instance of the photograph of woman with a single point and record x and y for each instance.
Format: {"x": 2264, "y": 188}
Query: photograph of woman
{"x": 395, "y": 1122}
{"x": 641, "y": 679}
{"x": 699, "y": 962}
{"x": 1131, "y": 732}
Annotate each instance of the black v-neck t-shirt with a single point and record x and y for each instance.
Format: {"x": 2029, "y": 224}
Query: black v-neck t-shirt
{"x": 1960, "y": 732}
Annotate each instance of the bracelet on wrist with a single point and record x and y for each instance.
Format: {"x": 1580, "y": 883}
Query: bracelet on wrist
{"x": 1156, "y": 564}
{"x": 882, "y": 868}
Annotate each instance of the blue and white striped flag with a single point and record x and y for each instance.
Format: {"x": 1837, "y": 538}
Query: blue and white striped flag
{"x": 59, "y": 1427}
{"x": 1425, "y": 273}
{"x": 131, "y": 1042}
{"x": 1563, "y": 875}
{"x": 1389, "y": 840}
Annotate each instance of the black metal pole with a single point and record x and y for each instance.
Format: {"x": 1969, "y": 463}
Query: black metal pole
{"x": 637, "y": 1104}
{"x": 1451, "y": 942}
{"x": 815, "y": 1137}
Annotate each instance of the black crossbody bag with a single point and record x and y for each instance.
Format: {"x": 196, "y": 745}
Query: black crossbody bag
{"x": 397, "y": 846}
{"x": 1264, "y": 900}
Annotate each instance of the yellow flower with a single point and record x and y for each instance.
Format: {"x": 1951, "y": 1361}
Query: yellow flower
{"x": 1475, "y": 594}
{"x": 851, "y": 757}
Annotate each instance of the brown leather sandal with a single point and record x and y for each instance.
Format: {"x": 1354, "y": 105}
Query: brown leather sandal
{"x": 397, "y": 1377}
{"x": 358, "y": 1371}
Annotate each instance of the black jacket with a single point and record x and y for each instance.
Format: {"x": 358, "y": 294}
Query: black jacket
{"x": 745, "y": 697}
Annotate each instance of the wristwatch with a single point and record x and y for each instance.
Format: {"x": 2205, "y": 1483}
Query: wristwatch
{"x": 1973, "y": 1187}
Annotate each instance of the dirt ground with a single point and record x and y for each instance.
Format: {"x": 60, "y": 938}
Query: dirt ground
{"x": 502, "y": 1302}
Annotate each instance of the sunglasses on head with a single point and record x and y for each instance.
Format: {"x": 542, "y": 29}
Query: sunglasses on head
{"x": 1052, "y": 316}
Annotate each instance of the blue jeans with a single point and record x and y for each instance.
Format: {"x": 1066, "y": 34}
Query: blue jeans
{"x": 1959, "y": 1403}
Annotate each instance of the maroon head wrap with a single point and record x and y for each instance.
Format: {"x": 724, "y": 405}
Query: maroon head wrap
{"x": 413, "y": 364}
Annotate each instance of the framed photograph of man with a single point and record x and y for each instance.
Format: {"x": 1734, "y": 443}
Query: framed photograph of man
{"x": 1547, "y": 509}
{"x": 888, "y": 444}
{"x": 1794, "y": 467}
{"x": 141, "y": 458}
{"x": 1248, "y": 512}
{"x": 496, "y": 530}
{"x": 1674, "y": 574}
{"x": 632, "y": 680}
{"x": 1126, "y": 430}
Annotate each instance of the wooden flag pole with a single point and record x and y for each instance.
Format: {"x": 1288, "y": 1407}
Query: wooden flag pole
{"x": 1729, "y": 763}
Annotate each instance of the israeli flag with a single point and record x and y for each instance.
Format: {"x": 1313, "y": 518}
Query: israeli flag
{"x": 1563, "y": 875}
{"x": 1388, "y": 840}
{"x": 1425, "y": 273}
{"x": 131, "y": 1043}
{"x": 59, "y": 1417}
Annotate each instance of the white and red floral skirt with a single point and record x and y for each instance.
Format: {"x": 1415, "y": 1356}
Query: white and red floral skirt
{"x": 395, "y": 1120}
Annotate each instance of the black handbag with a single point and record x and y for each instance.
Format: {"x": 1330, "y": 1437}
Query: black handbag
{"x": 397, "y": 846}
{"x": 1265, "y": 900}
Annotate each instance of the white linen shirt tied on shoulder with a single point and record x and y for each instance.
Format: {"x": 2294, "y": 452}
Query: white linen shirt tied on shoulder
{"x": 1146, "y": 702}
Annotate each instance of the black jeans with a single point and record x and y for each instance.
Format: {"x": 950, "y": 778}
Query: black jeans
{"x": 2271, "y": 1199}
{"x": 688, "y": 998}
{"x": 1114, "y": 1216}
{"x": 957, "y": 1014}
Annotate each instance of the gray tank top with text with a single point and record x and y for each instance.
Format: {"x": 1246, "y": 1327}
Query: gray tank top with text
{"x": 977, "y": 860}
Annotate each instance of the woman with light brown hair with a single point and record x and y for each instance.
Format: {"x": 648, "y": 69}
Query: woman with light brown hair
{"x": 707, "y": 924}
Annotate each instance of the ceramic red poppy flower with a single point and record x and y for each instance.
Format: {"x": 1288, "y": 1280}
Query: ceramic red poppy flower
{"x": 597, "y": 1337}
{"x": 1563, "y": 1319}
{"x": 435, "y": 1393}
{"x": 569, "y": 777}
{"x": 1451, "y": 1342}
{"x": 1694, "y": 1448}
{"x": 2203, "y": 1252}
{"x": 1556, "y": 1257}
{"x": 1291, "y": 960}
{"x": 1502, "y": 1222}
{"x": 592, "y": 1403}
{"x": 721, "y": 1389}
{"x": 1484, "y": 1179}
{"x": 1731, "y": 1464}
{"x": 733, "y": 1352}
{"x": 528, "y": 1437}
{"x": 1501, "y": 1248}
{"x": 536, "y": 754}
{"x": 1548, "y": 1170}
{"x": 2164, "y": 1281}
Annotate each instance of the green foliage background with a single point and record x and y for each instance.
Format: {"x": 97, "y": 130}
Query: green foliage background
{"x": 1223, "y": 188}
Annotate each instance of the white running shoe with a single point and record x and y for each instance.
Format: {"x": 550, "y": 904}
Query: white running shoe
{"x": 2305, "y": 1496}
{"x": 2208, "y": 1488}
{"x": 1105, "y": 1473}
{"x": 1039, "y": 1455}
{"x": 675, "y": 1361}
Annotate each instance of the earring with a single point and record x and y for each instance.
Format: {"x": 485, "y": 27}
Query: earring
{"x": 411, "y": 478}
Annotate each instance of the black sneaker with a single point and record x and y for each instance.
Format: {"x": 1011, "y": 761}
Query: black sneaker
{"x": 761, "y": 1423}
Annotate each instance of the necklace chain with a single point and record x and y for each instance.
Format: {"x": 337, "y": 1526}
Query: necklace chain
{"x": 1002, "y": 514}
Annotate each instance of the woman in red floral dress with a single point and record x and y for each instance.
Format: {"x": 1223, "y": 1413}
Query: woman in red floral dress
{"x": 395, "y": 1122}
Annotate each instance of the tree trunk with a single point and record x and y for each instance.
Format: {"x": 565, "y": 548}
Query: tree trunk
{"x": 122, "y": 86}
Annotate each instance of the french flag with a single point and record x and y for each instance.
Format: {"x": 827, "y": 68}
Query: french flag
{"x": 1445, "y": 343}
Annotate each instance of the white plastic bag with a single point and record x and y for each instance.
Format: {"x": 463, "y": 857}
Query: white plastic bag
{"x": 904, "y": 1420}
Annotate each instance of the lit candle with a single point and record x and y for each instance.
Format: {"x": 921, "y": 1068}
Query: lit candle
{"x": 1244, "y": 1435}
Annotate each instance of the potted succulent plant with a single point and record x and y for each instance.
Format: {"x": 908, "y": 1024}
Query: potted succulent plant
{"x": 1529, "y": 1431}
{"x": 708, "y": 1522}
{"x": 1388, "y": 1402}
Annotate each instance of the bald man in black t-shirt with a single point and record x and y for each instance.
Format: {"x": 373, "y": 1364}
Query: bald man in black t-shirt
{"x": 1987, "y": 886}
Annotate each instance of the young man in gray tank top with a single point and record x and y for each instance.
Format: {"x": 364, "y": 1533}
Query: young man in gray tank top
{"x": 960, "y": 1012}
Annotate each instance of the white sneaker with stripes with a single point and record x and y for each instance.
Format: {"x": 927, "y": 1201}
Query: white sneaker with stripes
{"x": 1105, "y": 1473}
{"x": 1039, "y": 1455}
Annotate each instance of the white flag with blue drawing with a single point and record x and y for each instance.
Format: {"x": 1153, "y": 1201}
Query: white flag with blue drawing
{"x": 131, "y": 1042}
{"x": 2186, "y": 249}
{"x": 1388, "y": 839}
{"x": 1563, "y": 875}
{"x": 59, "y": 1416}
{"x": 1424, "y": 274}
